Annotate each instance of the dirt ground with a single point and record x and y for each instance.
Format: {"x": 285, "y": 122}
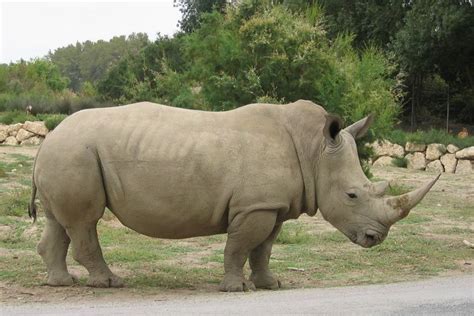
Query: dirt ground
{"x": 22, "y": 150}
{"x": 451, "y": 192}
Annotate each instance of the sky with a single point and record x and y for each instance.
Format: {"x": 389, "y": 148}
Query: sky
{"x": 30, "y": 29}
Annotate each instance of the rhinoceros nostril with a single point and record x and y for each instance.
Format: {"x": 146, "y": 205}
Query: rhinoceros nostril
{"x": 371, "y": 239}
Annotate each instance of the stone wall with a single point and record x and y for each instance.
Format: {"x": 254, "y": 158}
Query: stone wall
{"x": 28, "y": 133}
{"x": 431, "y": 157}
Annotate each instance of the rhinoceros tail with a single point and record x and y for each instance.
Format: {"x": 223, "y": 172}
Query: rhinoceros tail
{"x": 32, "y": 205}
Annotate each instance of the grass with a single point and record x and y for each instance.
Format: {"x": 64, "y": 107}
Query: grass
{"x": 293, "y": 233}
{"x": 15, "y": 202}
{"x": 397, "y": 189}
{"x": 15, "y": 170}
{"x": 426, "y": 243}
{"x": 400, "y": 162}
{"x": 428, "y": 137}
{"x": 3, "y": 173}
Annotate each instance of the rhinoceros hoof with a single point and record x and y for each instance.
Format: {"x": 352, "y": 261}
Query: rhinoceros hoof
{"x": 105, "y": 281}
{"x": 65, "y": 279}
{"x": 265, "y": 281}
{"x": 236, "y": 284}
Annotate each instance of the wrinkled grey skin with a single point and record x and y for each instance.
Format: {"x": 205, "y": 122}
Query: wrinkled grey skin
{"x": 173, "y": 173}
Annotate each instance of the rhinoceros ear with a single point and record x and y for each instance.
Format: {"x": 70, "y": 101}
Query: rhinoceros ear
{"x": 332, "y": 127}
{"x": 359, "y": 128}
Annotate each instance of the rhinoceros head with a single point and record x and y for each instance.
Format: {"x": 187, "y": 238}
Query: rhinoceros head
{"x": 346, "y": 198}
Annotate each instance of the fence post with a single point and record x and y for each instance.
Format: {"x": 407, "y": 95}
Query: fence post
{"x": 447, "y": 112}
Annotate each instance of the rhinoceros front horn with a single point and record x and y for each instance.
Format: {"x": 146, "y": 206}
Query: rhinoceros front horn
{"x": 400, "y": 206}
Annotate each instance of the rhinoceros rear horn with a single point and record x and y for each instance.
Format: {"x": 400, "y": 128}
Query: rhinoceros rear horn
{"x": 360, "y": 128}
{"x": 400, "y": 206}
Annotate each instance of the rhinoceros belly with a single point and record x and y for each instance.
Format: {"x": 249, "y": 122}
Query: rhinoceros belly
{"x": 167, "y": 195}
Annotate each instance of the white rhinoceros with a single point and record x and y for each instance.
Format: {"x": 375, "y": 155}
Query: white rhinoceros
{"x": 172, "y": 173}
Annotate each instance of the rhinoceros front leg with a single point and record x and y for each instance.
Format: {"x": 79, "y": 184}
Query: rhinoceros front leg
{"x": 86, "y": 250}
{"x": 259, "y": 258}
{"x": 245, "y": 232}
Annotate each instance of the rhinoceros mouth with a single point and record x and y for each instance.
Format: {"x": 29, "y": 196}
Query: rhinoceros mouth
{"x": 370, "y": 239}
{"x": 367, "y": 239}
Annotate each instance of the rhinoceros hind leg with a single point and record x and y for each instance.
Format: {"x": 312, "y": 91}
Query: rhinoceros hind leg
{"x": 86, "y": 250}
{"x": 245, "y": 232}
{"x": 259, "y": 258}
{"x": 53, "y": 250}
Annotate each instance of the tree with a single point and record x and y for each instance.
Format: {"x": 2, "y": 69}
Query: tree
{"x": 371, "y": 21}
{"x": 141, "y": 76}
{"x": 257, "y": 52}
{"x": 437, "y": 38}
{"x": 192, "y": 10}
{"x": 90, "y": 61}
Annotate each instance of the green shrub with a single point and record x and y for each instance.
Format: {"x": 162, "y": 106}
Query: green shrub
{"x": 83, "y": 103}
{"x": 400, "y": 162}
{"x": 53, "y": 120}
{"x": 13, "y": 117}
{"x": 269, "y": 99}
{"x": 397, "y": 136}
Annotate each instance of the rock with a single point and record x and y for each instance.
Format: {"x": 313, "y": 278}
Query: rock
{"x": 383, "y": 161}
{"x": 3, "y": 132}
{"x": 10, "y": 140}
{"x": 416, "y": 161}
{"x": 452, "y": 148}
{"x": 464, "y": 167}
{"x": 386, "y": 148}
{"x": 5, "y": 232}
{"x": 434, "y": 151}
{"x": 412, "y": 147}
{"x": 35, "y": 140}
{"x": 23, "y": 134}
{"x": 449, "y": 162}
{"x": 435, "y": 166}
{"x": 14, "y": 128}
{"x": 466, "y": 153}
{"x": 3, "y": 135}
{"x": 39, "y": 128}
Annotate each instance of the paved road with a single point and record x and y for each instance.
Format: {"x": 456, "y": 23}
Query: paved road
{"x": 445, "y": 296}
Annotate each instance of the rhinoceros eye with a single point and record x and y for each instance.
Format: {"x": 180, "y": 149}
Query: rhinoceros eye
{"x": 352, "y": 195}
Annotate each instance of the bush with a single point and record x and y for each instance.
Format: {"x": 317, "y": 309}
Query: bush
{"x": 14, "y": 117}
{"x": 82, "y": 103}
{"x": 366, "y": 87}
{"x": 52, "y": 120}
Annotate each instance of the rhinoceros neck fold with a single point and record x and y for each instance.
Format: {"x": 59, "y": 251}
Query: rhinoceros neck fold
{"x": 304, "y": 121}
